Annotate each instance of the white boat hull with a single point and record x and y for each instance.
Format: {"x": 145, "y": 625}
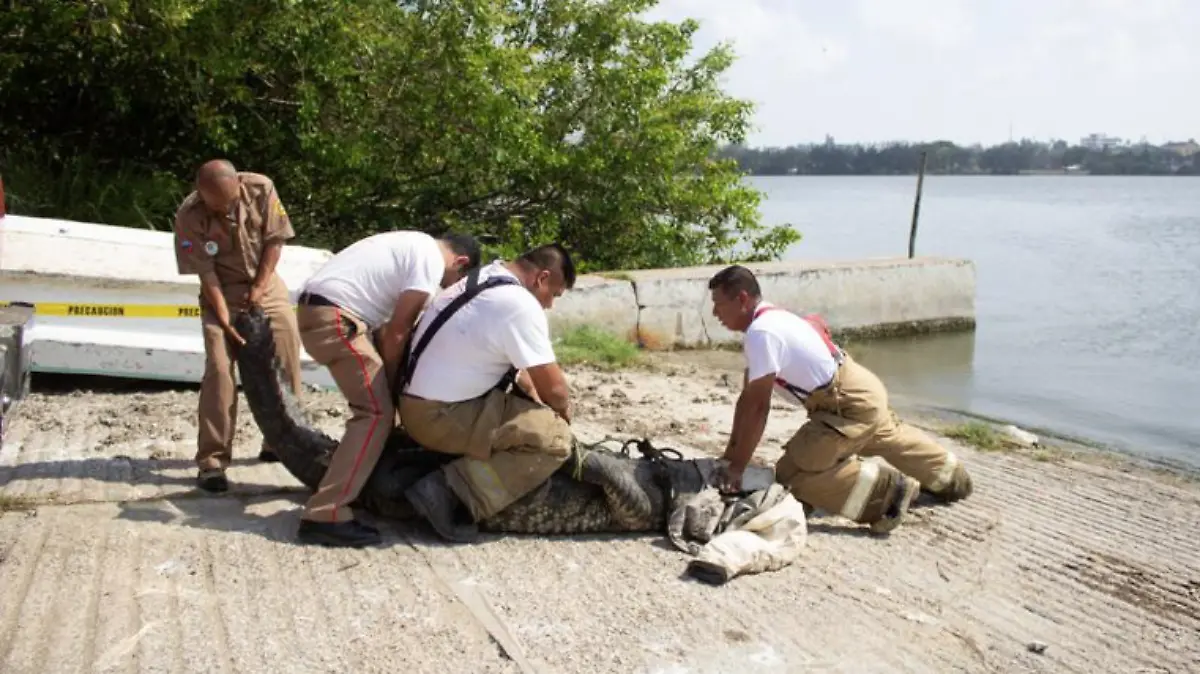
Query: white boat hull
{"x": 108, "y": 300}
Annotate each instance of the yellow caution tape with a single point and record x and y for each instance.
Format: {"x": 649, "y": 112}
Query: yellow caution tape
{"x": 74, "y": 309}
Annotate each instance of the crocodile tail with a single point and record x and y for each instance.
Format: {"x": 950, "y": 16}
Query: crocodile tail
{"x": 302, "y": 449}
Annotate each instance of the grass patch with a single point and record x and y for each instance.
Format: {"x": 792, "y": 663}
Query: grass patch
{"x": 985, "y": 437}
{"x": 977, "y": 434}
{"x": 589, "y": 345}
{"x": 17, "y": 503}
{"x": 616, "y": 276}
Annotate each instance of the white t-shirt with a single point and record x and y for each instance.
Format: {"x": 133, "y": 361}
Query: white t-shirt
{"x": 500, "y": 327}
{"x": 785, "y": 344}
{"x": 368, "y": 276}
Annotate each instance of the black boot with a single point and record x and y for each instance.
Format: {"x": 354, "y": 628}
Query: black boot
{"x": 903, "y": 493}
{"x": 268, "y": 456}
{"x": 436, "y": 502}
{"x": 352, "y": 534}
{"x": 213, "y": 481}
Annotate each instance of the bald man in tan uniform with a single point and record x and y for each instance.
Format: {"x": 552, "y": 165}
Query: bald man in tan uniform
{"x": 230, "y": 232}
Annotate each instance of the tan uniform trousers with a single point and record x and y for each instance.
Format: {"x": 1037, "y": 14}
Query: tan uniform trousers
{"x": 218, "y": 389}
{"x": 340, "y": 341}
{"x": 849, "y": 419}
{"x": 510, "y": 445}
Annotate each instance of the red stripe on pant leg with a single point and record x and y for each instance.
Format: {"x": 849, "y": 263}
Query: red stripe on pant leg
{"x": 362, "y": 367}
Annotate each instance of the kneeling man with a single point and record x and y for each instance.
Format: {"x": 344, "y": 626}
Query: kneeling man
{"x": 848, "y": 416}
{"x": 479, "y": 337}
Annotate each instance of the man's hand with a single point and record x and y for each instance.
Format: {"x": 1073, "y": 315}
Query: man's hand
{"x": 526, "y": 384}
{"x": 397, "y": 331}
{"x": 729, "y": 478}
{"x": 233, "y": 334}
{"x": 551, "y": 387}
{"x": 210, "y": 287}
{"x": 271, "y": 253}
{"x": 391, "y": 352}
{"x": 749, "y": 419}
{"x": 254, "y": 297}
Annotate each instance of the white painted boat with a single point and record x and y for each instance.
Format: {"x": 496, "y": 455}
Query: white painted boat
{"x": 108, "y": 299}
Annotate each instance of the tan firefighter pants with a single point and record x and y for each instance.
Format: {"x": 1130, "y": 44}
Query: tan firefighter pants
{"x": 850, "y": 419}
{"x": 509, "y": 445}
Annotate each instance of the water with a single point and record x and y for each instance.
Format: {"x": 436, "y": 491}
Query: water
{"x": 1087, "y": 297}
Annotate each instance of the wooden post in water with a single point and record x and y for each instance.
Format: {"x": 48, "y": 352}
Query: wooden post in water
{"x": 912, "y": 234}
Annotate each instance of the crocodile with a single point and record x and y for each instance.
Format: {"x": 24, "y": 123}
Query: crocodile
{"x": 597, "y": 490}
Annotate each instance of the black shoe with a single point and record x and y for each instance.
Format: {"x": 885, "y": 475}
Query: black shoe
{"x": 436, "y": 502}
{"x": 353, "y": 534}
{"x": 268, "y": 456}
{"x": 213, "y": 481}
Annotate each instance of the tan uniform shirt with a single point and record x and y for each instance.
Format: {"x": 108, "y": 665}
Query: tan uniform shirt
{"x": 231, "y": 245}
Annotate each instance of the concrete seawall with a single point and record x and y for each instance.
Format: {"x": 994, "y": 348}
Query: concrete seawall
{"x": 671, "y": 308}
{"x": 109, "y": 300}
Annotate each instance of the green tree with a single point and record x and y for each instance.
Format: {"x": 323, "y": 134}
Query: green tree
{"x": 574, "y": 120}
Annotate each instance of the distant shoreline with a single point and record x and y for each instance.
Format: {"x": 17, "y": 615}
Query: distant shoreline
{"x": 1025, "y": 174}
{"x": 943, "y": 157}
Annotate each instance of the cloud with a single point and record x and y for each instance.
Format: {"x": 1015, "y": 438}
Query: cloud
{"x": 964, "y": 70}
{"x": 777, "y": 50}
{"x": 927, "y": 23}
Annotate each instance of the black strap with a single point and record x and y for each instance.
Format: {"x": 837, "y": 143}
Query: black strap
{"x": 474, "y": 287}
{"x": 315, "y": 300}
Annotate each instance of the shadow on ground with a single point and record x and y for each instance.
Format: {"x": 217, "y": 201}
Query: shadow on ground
{"x": 54, "y": 383}
{"x": 124, "y": 469}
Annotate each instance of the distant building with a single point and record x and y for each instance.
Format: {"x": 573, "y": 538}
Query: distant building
{"x": 1183, "y": 149}
{"x": 1099, "y": 141}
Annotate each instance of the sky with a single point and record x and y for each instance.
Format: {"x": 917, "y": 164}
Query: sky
{"x": 961, "y": 70}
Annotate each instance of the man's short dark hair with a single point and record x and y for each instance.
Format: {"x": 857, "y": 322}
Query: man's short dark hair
{"x": 734, "y": 279}
{"x": 552, "y": 256}
{"x": 464, "y": 244}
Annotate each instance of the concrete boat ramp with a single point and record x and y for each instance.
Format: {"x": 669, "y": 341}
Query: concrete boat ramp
{"x": 111, "y": 562}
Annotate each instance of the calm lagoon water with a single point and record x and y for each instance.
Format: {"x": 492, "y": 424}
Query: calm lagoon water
{"x": 1088, "y": 295}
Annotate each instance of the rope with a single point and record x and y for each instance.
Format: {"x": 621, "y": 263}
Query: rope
{"x": 654, "y": 453}
{"x": 657, "y": 456}
{"x": 644, "y": 447}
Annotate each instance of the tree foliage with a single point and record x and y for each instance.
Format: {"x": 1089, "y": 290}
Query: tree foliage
{"x": 523, "y": 121}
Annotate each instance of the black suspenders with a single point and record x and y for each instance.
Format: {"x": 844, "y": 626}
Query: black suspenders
{"x": 474, "y": 287}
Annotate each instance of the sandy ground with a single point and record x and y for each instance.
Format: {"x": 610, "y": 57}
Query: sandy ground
{"x": 110, "y": 561}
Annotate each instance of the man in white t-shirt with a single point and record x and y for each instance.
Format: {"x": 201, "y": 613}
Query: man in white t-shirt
{"x": 454, "y": 399}
{"x": 848, "y": 416}
{"x": 374, "y": 288}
